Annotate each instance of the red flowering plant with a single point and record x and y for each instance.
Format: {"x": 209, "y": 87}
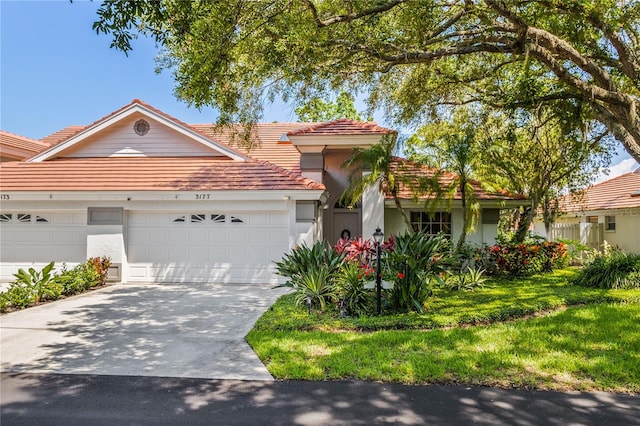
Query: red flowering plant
{"x": 513, "y": 260}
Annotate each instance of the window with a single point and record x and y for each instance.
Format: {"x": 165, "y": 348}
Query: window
{"x": 432, "y": 223}
{"x": 218, "y": 218}
{"x": 198, "y": 218}
{"x": 610, "y": 223}
{"x": 105, "y": 216}
{"x": 24, "y": 218}
{"x": 236, "y": 220}
{"x": 207, "y": 218}
{"x": 592, "y": 219}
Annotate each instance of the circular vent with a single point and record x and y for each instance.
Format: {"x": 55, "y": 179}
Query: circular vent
{"x": 141, "y": 127}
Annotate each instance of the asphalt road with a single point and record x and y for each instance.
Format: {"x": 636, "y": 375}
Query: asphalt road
{"x": 59, "y": 399}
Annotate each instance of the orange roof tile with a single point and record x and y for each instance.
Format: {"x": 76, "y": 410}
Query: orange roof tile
{"x": 617, "y": 193}
{"x": 268, "y": 147}
{"x": 149, "y": 174}
{"x": 13, "y": 145}
{"x": 61, "y": 135}
{"x": 343, "y": 126}
{"x": 416, "y": 171}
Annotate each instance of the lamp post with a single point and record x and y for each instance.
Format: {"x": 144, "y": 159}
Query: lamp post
{"x": 378, "y": 236}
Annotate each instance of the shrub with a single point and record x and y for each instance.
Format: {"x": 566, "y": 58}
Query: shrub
{"x": 614, "y": 270}
{"x": 84, "y": 276}
{"x": 516, "y": 260}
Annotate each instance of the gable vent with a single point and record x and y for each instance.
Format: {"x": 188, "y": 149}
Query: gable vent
{"x": 141, "y": 127}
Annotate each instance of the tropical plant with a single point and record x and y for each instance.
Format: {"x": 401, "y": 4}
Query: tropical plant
{"x": 315, "y": 288}
{"x": 614, "y": 270}
{"x": 302, "y": 259}
{"x": 381, "y": 171}
{"x": 416, "y": 264}
{"x": 452, "y": 149}
{"x": 350, "y": 285}
{"x": 37, "y": 285}
{"x": 469, "y": 280}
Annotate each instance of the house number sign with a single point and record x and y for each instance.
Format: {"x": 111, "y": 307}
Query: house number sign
{"x": 203, "y": 196}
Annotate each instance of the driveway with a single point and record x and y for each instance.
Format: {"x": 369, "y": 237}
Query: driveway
{"x": 185, "y": 330}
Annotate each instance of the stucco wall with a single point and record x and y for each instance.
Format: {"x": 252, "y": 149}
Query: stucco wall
{"x": 487, "y": 233}
{"x": 627, "y": 233}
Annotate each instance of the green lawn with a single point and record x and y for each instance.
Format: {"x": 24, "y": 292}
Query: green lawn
{"x": 592, "y": 345}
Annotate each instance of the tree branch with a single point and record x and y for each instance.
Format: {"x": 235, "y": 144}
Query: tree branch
{"x": 351, "y": 16}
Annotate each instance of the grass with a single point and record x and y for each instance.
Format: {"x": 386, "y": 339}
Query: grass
{"x": 589, "y": 339}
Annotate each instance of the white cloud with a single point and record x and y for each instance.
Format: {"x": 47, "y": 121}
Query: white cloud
{"x": 624, "y": 166}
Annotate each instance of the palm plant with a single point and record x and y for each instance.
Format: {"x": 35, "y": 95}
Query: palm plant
{"x": 452, "y": 150}
{"x": 379, "y": 160}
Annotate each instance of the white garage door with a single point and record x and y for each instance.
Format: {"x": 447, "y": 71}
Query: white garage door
{"x": 29, "y": 238}
{"x": 205, "y": 246}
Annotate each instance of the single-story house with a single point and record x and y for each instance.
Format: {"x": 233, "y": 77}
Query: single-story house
{"x": 608, "y": 212}
{"x": 173, "y": 202}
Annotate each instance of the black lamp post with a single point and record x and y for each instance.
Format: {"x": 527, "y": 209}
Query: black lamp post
{"x": 378, "y": 236}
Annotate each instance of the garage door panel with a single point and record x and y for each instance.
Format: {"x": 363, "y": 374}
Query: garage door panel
{"x": 197, "y": 236}
{"x": 44, "y": 237}
{"x": 206, "y": 248}
{"x": 218, "y": 236}
{"x": 177, "y": 236}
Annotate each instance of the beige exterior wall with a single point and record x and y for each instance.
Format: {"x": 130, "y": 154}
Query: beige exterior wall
{"x": 484, "y": 233}
{"x": 627, "y": 233}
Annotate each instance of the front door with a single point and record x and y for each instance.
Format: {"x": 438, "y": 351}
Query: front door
{"x": 345, "y": 221}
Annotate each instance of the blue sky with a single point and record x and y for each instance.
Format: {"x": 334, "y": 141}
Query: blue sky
{"x": 55, "y": 71}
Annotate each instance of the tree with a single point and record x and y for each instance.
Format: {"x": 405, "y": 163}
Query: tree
{"x": 382, "y": 170}
{"x": 451, "y": 146}
{"x": 316, "y": 109}
{"x": 409, "y": 55}
{"x": 540, "y": 155}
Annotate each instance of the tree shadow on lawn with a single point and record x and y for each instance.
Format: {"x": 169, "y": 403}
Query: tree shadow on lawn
{"x": 78, "y": 399}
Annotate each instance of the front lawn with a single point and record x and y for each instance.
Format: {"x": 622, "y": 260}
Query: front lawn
{"x": 566, "y": 337}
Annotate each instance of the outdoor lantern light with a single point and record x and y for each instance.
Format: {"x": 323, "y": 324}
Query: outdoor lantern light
{"x": 378, "y": 236}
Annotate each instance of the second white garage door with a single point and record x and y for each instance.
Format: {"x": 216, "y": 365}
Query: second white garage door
{"x": 206, "y": 246}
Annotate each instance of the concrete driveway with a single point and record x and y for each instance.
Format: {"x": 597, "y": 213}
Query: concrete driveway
{"x": 183, "y": 330}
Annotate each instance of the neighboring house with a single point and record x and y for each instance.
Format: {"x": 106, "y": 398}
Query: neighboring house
{"x": 606, "y": 212}
{"x": 172, "y": 202}
{"x": 17, "y": 148}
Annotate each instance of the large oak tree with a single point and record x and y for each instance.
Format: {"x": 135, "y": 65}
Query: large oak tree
{"x": 409, "y": 56}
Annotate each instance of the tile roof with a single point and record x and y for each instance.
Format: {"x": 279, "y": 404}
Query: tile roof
{"x": 617, "y": 193}
{"x": 343, "y": 126}
{"x": 60, "y": 135}
{"x": 19, "y": 145}
{"x": 149, "y": 174}
{"x": 269, "y": 147}
{"x": 445, "y": 179}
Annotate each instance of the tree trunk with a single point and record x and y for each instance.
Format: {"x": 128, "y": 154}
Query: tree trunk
{"x": 402, "y": 211}
{"x": 465, "y": 217}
